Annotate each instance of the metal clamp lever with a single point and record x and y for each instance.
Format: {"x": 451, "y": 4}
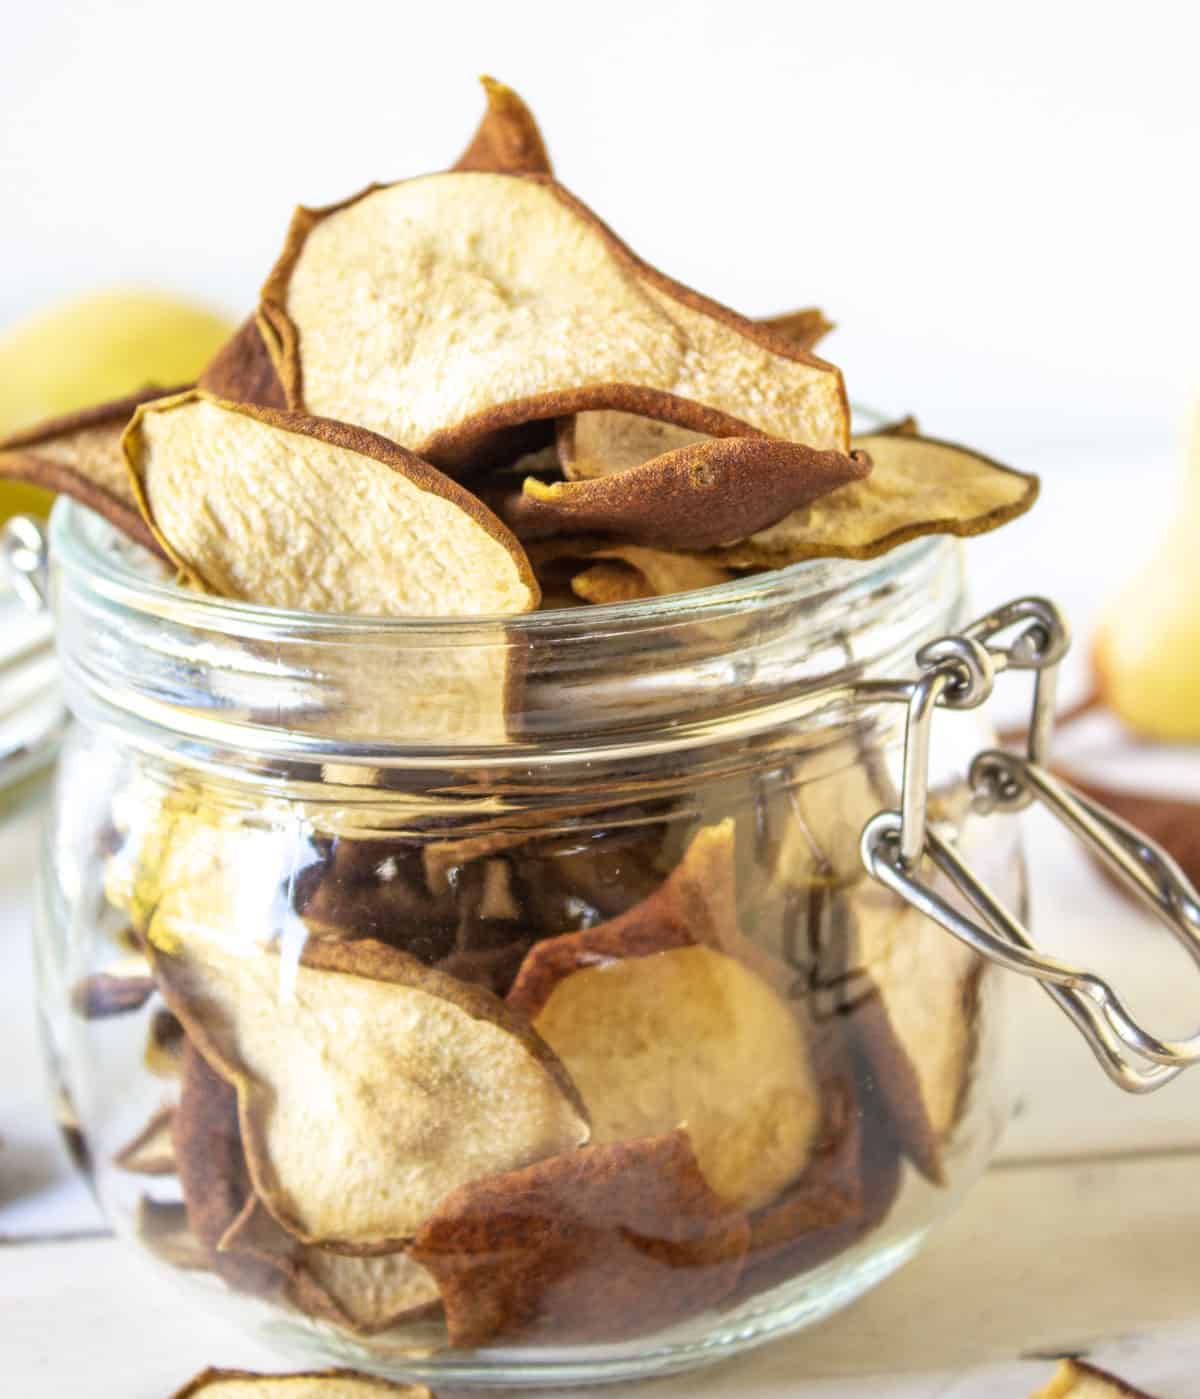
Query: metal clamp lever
{"x": 959, "y": 673}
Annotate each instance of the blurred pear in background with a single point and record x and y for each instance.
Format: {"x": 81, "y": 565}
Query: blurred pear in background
{"x": 1147, "y": 651}
{"x": 91, "y": 348}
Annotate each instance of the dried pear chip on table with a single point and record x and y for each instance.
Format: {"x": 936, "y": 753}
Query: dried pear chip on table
{"x": 368, "y": 1084}
{"x": 365, "y": 1295}
{"x": 657, "y": 1028}
{"x": 1076, "y": 1379}
{"x": 600, "y": 1244}
{"x": 243, "y": 371}
{"x": 311, "y": 1384}
{"x": 918, "y": 1022}
{"x": 805, "y": 328}
{"x": 697, "y": 497}
{"x": 507, "y": 140}
{"x": 290, "y": 511}
{"x": 152, "y": 1151}
{"x": 529, "y": 308}
{"x": 80, "y": 455}
{"x": 917, "y": 486}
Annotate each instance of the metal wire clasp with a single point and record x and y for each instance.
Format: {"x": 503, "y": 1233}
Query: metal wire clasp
{"x": 959, "y": 672}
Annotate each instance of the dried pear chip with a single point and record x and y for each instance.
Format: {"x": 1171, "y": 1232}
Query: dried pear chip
{"x": 541, "y": 312}
{"x": 600, "y": 1244}
{"x": 163, "y": 1227}
{"x": 212, "y": 1172}
{"x": 152, "y": 1151}
{"x": 610, "y": 581}
{"x": 507, "y": 140}
{"x": 368, "y": 1084}
{"x": 311, "y": 1384}
{"x": 80, "y": 455}
{"x": 104, "y": 994}
{"x": 242, "y": 370}
{"x": 657, "y": 572}
{"x": 691, "y": 1036}
{"x": 917, "y": 486}
{"x": 598, "y": 443}
{"x": 805, "y": 329}
{"x": 918, "y": 1028}
{"x": 364, "y": 1295}
{"x": 1076, "y": 1379}
{"x": 289, "y": 511}
{"x": 697, "y": 497}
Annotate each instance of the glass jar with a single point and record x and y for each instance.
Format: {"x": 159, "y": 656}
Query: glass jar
{"x": 504, "y": 1002}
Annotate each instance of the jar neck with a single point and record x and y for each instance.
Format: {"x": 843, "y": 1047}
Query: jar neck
{"x": 229, "y": 687}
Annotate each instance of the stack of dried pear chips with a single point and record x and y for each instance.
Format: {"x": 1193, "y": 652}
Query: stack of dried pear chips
{"x": 535, "y": 1089}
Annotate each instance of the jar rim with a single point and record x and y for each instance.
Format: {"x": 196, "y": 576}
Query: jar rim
{"x": 83, "y": 546}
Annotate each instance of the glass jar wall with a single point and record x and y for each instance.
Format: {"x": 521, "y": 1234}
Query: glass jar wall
{"x": 507, "y": 1002}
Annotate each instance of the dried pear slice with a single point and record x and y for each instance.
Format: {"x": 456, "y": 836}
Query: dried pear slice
{"x": 310, "y": 1384}
{"x": 805, "y": 328}
{"x": 698, "y": 497}
{"x": 80, "y": 455}
{"x": 368, "y": 1084}
{"x": 691, "y": 1036}
{"x": 918, "y": 1027}
{"x": 363, "y": 1295}
{"x": 1076, "y": 1379}
{"x": 242, "y": 370}
{"x": 598, "y": 443}
{"x": 249, "y": 504}
{"x": 541, "y": 312}
{"x": 601, "y": 1244}
{"x": 917, "y": 486}
{"x": 657, "y": 1027}
{"x": 507, "y": 140}
{"x": 657, "y": 572}
{"x": 152, "y": 1151}
{"x": 610, "y": 581}
{"x": 212, "y": 1172}
{"x": 104, "y": 994}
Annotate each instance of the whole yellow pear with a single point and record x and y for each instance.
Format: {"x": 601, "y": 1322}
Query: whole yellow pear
{"x": 1147, "y": 649}
{"x": 88, "y": 349}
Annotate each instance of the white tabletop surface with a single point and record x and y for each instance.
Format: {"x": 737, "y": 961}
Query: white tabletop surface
{"x": 1082, "y": 1237}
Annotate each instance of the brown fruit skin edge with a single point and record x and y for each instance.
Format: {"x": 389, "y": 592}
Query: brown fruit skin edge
{"x": 507, "y": 140}
{"x": 340, "y": 435}
{"x": 20, "y": 461}
{"x": 962, "y": 529}
{"x": 242, "y": 370}
{"x": 454, "y": 447}
{"x": 371, "y": 960}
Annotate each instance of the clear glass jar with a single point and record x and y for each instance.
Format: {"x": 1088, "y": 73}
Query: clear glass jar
{"x": 505, "y": 1002}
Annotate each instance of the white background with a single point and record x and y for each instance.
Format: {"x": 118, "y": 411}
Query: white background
{"x": 997, "y": 203}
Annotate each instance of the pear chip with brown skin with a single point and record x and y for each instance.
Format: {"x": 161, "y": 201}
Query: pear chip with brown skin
{"x": 245, "y": 499}
{"x": 599, "y": 1244}
{"x": 368, "y": 1084}
{"x": 595, "y": 327}
{"x": 79, "y": 454}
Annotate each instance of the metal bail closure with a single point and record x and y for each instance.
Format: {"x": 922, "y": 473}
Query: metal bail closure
{"x": 959, "y": 672}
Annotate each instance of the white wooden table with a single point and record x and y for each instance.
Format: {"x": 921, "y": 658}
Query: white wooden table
{"x": 1083, "y": 1236}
